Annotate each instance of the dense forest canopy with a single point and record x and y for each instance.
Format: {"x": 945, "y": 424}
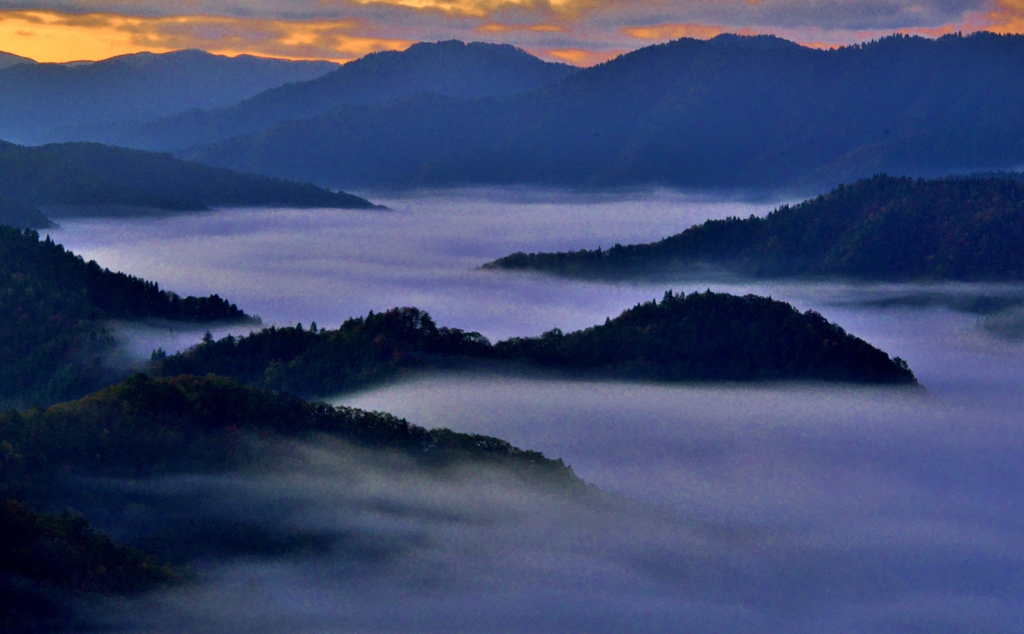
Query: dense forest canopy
{"x": 883, "y": 228}
{"x": 53, "y": 306}
{"x": 144, "y": 427}
{"x": 94, "y": 174}
{"x": 714, "y": 337}
{"x": 45, "y": 559}
{"x": 313, "y": 362}
{"x": 681, "y": 114}
{"x": 697, "y": 337}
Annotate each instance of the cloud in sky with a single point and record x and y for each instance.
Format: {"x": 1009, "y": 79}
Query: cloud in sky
{"x": 578, "y": 31}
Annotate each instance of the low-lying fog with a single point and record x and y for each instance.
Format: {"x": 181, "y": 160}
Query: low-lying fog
{"x": 782, "y": 508}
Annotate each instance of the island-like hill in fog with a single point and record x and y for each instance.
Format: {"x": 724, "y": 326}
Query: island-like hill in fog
{"x": 883, "y": 228}
{"x": 60, "y": 102}
{"x": 452, "y": 69}
{"x": 697, "y": 337}
{"x": 79, "y": 177}
{"x": 730, "y": 112}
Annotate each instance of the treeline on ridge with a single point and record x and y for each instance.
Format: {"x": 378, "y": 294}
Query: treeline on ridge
{"x": 53, "y": 306}
{"x": 882, "y": 228}
{"x": 697, "y": 337}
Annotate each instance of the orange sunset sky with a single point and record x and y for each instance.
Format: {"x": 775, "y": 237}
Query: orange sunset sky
{"x": 581, "y": 32}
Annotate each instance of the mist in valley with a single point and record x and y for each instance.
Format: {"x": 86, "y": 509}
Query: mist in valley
{"x": 780, "y": 507}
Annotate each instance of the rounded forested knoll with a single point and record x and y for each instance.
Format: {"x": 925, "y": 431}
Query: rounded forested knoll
{"x": 714, "y": 337}
{"x": 700, "y": 337}
{"x": 52, "y": 308}
{"x": 882, "y": 228}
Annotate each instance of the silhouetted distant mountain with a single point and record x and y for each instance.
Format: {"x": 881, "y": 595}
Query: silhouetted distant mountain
{"x": 58, "y": 102}
{"x": 90, "y": 174}
{"x": 729, "y": 112}
{"x": 882, "y": 228}
{"x": 448, "y": 68}
{"x": 10, "y": 59}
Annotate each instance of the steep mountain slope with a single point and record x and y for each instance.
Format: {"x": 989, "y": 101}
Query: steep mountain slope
{"x": 53, "y": 306}
{"x": 49, "y": 102}
{"x": 729, "y": 112}
{"x": 94, "y": 174}
{"x": 448, "y": 68}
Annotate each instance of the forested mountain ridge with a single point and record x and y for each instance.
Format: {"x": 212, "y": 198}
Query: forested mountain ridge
{"x": 452, "y": 68}
{"x": 57, "y": 102}
{"x": 883, "y": 228}
{"x": 53, "y": 306}
{"x": 84, "y": 174}
{"x": 679, "y": 114}
{"x": 697, "y": 337}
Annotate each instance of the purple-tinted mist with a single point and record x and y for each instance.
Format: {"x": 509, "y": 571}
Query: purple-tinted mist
{"x": 780, "y": 508}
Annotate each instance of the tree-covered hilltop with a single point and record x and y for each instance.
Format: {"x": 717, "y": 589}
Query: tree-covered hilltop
{"x": 697, "y": 337}
{"x": 882, "y": 228}
{"x": 714, "y": 337}
{"x": 52, "y": 308}
{"x": 89, "y": 174}
{"x": 316, "y": 362}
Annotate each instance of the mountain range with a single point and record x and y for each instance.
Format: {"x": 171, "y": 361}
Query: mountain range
{"x": 730, "y": 112}
{"x": 63, "y": 102}
{"x": 451, "y": 68}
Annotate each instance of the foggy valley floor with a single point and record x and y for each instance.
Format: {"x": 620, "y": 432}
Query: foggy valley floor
{"x": 781, "y": 508}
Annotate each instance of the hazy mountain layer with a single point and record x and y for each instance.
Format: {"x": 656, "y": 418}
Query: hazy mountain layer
{"x": 10, "y": 59}
{"x": 92, "y": 174}
{"x": 21, "y": 215}
{"x": 57, "y": 102}
{"x": 697, "y": 337}
{"x": 725, "y": 113}
{"x": 451, "y": 68}
{"x": 882, "y": 228}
